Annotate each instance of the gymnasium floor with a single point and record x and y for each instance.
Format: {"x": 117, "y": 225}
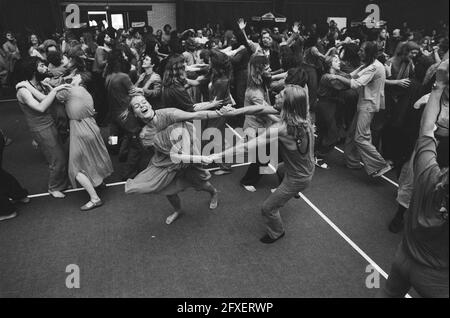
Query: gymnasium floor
{"x": 124, "y": 249}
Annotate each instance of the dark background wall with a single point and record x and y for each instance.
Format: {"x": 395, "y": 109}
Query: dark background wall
{"x": 26, "y": 16}
{"x": 417, "y": 12}
{"x": 44, "y": 16}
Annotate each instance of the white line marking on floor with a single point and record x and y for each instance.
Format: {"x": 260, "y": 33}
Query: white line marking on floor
{"x": 123, "y": 183}
{"x": 384, "y": 177}
{"x": 320, "y": 213}
{"x": 343, "y": 235}
{"x": 346, "y": 238}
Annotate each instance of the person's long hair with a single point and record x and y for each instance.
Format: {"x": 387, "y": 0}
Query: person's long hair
{"x": 350, "y": 54}
{"x": 116, "y": 62}
{"x": 175, "y": 71}
{"x": 256, "y": 69}
{"x": 220, "y": 65}
{"x": 295, "y": 110}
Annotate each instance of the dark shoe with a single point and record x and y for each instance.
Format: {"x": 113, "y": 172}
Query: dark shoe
{"x": 382, "y": 171}
{"x": 8, "y": 217}
{"x": 24, "y": 200}
{"x": 396, "y": 225}
{"x": 266, "y": 239}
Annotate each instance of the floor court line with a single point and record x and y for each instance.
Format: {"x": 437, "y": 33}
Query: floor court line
{"x": 343, "y": 235}
{"x": 384, "y": 177}
{"x": 320, "y": 213}
{"x": 122, "y": 183}
{"x": 330, "y": 223}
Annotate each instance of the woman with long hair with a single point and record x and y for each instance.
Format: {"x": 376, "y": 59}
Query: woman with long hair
{"x": 256, "y": 94}
{"x": 295, "y": 136}
{"x": 219, "y": 89}
{"x": 329, "y": 110}
{"x": 175, "y": 163}
{"x": 402, "y": 91}
{"x": 174, "y": 84}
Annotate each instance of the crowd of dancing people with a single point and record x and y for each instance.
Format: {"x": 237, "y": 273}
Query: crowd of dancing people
{"x": 382, "y": 95}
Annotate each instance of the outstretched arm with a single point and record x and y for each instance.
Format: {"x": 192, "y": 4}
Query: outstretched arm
{"x": 271, "y": 134}
{"x": 252, "y": 110}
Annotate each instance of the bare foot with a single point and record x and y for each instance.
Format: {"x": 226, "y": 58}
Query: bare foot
{"x": 214, "y": 201}
{"x": 172, "y": 217}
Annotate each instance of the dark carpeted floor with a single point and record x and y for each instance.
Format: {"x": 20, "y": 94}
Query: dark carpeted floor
{"x": 124, "y": 249}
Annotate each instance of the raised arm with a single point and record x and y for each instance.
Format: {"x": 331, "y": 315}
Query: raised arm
{"x": 432, "y": 109}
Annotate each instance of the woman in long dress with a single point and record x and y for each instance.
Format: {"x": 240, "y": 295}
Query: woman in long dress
{"x": 89, "y": 161}
{"x": 175, "y": 165}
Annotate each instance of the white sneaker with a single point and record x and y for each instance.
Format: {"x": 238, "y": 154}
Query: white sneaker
{"x": 273, "y": 190}
{"x": 249, "y": 188}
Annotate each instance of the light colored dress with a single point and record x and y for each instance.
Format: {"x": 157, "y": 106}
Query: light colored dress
{"x": 163, "y": 175}
{"x": 88, "y": 153}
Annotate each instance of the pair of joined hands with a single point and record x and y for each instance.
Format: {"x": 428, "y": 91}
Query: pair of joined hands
{"x": 206, "y": 160}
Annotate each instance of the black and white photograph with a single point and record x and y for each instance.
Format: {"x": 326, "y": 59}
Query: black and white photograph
{"x": 227, "y": 155}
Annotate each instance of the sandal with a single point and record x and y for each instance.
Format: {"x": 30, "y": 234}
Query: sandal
{"x": 91, "y": 205}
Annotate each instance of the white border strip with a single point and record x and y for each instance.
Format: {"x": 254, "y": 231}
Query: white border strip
{"x": 384, "y": 177}
{"x": 123, "y": 183}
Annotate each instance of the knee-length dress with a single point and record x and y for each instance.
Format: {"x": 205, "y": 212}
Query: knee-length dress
{"x": 88, "y": 153}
